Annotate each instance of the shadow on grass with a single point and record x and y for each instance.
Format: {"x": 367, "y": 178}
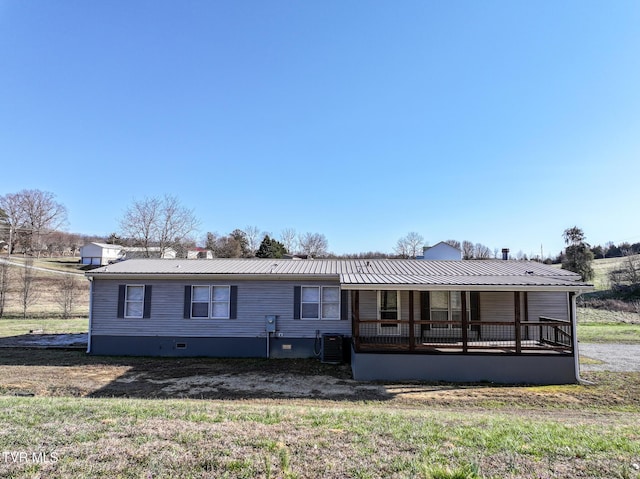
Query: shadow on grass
{"x": 60, "y": 372}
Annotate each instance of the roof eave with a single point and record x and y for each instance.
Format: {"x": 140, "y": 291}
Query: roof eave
{"x": 215, "y": 276}
{"x": 581, "y": 289}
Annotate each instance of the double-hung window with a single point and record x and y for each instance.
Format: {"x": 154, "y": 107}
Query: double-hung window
{"x": 210, "y": 302}
{"x": 389, "y": 311}
{"x": 320, "y": 302}
{"x": 134, "y": 301}
{"x": 446, "y": 308}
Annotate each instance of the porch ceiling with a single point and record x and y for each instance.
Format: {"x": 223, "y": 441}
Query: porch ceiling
{"x": 470, "y": 283}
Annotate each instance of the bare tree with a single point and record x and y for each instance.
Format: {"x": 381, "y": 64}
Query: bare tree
{"x": 13, "y": 216}
{"x": 5, "y": 226}
{"x": 628, "y": 273}
{"x": 289, "y": 239}
{"x": 409, "y": 246}
{"x": 4, "y": 284}
{"x": 254, "y": 238}
{"x": 140, "y": 222}
{"x": 29, "y": 216}
{"x": 158, "y": 222}
{"x": 313, "y": 244}
{"x": 67, "y": 288}
{"x": 481, "y": 251}
{"x": 177, "y": 223}
{"x": 467, "y": 249}
{"x": 402, "y": 248}
{"x": 415, "y": 242}
{"x": 28, "y": 292}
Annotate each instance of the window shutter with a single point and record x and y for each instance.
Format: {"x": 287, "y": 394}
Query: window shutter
{"x": 147, "y": 301}
{"x": 344, "y": 304}
{"x": 475, "y": 306}
{"x": 233, "y": 302}
{"x": 425, "y": 309}
{"x": 187, "y": 302}
{"x": 121, "y": 292}
{"x": 297, "y": 292}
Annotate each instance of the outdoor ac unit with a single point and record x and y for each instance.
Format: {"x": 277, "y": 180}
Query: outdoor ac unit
{"x": 332, "y": 348}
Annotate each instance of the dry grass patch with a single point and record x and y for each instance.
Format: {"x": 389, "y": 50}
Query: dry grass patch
{"x": 46, "y": 290}
{"x": 51, "y": 373}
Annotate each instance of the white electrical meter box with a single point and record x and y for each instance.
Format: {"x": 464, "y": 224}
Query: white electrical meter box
{"x": 270, "y": 324}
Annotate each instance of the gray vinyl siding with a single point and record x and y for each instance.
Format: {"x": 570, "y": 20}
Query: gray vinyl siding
{"x": 551, "y": 305}
{"x": 369, "y": 311}
{"x": 500, "y": 306}
{"x": 497, "y": 306}
{"x": 256, "y": 299}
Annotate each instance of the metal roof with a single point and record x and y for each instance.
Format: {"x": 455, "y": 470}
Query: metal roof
{"x": 352, "y": 272}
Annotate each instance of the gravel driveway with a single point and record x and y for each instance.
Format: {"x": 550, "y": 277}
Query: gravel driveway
{"x": 614, "y": 357}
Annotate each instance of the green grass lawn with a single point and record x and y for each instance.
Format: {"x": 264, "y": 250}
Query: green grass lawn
{"x": 609, "y": 333}
{"x": 17, "y": 327}
{"x": 601, "y": 326}
{"x": 126, "y": 438}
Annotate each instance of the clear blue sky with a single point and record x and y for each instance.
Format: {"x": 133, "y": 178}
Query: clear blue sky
{"x": 500, "y": 122}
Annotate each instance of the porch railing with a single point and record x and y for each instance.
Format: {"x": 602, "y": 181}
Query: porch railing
{"x": 544, "y": 335}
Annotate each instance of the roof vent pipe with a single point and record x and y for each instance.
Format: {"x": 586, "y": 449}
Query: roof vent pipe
{"x": 505, "y": 253}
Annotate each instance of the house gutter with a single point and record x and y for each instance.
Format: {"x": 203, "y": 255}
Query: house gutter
{"x": 90, "y": 278}
{"x": 466, "y": 287}
{"x": 576, "y": 352}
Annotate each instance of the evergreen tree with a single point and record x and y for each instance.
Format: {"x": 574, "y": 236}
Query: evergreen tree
{"x": 270, "y": 248}
{"x": 578, "y": 255}
{"x": 241, "y": 238}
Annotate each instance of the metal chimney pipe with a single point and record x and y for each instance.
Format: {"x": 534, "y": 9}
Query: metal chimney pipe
{"x": 505, "y": 253}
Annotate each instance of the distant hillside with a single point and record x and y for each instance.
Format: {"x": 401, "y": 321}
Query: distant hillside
{"x": 603, "y": 267}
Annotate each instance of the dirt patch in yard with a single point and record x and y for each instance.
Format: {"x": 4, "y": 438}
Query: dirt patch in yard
{"x": 45, "y": 372}
{"x": 73, "y": 373}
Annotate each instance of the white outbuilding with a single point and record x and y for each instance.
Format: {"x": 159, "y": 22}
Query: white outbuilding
{"x": 100, "y": 254}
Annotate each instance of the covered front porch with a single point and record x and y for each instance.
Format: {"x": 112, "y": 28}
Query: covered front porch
{"x": 462, "y": 335}
{"x": 463, "y": 322}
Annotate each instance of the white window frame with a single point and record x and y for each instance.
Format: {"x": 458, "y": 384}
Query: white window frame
{"x": 386, "y": 326}
{"x": 450, "y": 311}
{"x": 320, "y": 303}
{"x": 128, "y": 301}
{"x": 210, "y": 301}
{"x": 213, "y": 301}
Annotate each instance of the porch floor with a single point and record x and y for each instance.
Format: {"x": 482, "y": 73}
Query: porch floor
{"x": 374, "y": 344}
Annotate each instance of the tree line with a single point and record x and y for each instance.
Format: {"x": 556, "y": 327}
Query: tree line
{"x": 32, "y": 222}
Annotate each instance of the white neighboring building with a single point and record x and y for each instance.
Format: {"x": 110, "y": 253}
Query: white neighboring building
{"x": 442, "y": 251}
{"x": 100, "y": 254}
{"x": 199, "y": 253}
{"x": 139, "y": 252}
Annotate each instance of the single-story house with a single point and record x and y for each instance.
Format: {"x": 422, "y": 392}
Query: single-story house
{"x": 100, "y": 254}
{"x": 493, "y": 320}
